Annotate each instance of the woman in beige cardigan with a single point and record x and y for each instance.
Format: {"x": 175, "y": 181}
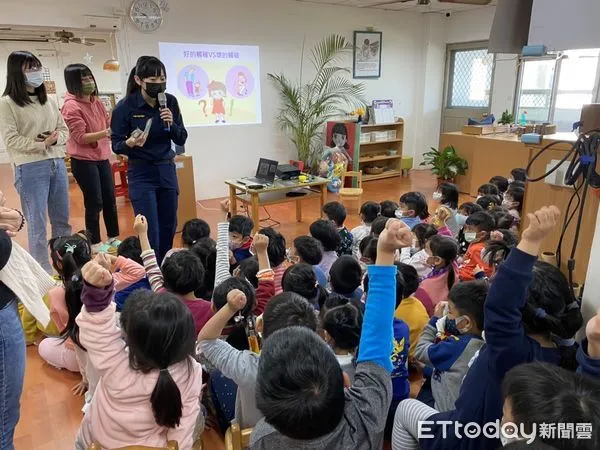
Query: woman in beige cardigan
{"x": 35, "y": 134}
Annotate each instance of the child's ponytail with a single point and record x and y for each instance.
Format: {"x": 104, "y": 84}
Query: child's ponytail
{"x": 160, "y": 332}
{"x": 69, "y": 254}
{"x": 166, "y": 400}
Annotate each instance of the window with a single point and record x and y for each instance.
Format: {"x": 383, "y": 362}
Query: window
{"x": 554, "y": 90}
{"x": 46, "y": 74}
{"x": 471, "y": 78}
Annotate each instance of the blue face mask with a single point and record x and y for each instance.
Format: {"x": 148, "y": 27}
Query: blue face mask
{"x": 451, "y": 327}
{"x": 34, "y": 79}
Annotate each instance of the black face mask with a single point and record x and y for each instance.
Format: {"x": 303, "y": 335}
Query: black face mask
{"x": 153, "y": 89}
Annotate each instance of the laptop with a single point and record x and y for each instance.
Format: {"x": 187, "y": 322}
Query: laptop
{"x": 265, "y": 172}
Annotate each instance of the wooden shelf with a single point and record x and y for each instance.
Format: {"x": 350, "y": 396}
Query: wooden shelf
{"x": 386, "y": 174}
{"x": 390, "y": 141}
{"x": 395, "y": 124}
{"x": 366, "y": 159}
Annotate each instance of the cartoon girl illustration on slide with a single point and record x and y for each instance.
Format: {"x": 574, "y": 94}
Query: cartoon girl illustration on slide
{"x": 217, "y": 92}
{"x": 190, "y": 80}
{"x": 242, "y": 84}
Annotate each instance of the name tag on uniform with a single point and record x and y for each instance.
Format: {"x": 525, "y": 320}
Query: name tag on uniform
{"x": 139, "y": 116}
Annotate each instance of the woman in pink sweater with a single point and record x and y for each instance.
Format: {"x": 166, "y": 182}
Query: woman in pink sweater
{"x": 89, "y": 148}
{"x": 150, "y": 385}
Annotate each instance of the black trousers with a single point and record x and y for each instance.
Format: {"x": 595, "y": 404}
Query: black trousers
{"x": 96, "y": 181}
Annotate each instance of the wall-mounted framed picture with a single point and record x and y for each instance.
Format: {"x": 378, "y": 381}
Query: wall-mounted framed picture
{"x": 367, "y": 54}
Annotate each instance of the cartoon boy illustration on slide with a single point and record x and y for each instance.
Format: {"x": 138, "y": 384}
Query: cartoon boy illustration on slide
{"x": 190, "y": 80}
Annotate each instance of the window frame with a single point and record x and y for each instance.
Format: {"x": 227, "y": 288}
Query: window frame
{"x": 451, "y": 50}
{"x": 557, "y": 58}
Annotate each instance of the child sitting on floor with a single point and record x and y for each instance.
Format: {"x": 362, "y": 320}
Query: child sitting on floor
{"x": 300, "y": 279}
{"x": 248, "y": 269}
{"x": 277, "y": 256}
{"x": 240, "y": 239}
{"x": 130, "y": 248}
{"x": 530, "y": 314}
{"x": 388, "y": 209}
{"x": 413, "y": 209}
{"x": 295, "y": 360}
{"x": 513, "y": 201}
{"x": 336, "y": 212}
{"x": 182, "y": 274}
{"x": 477, "y": 232}
{"x": 206, "y": 250}
{"x": 434, "y": 289}
{"x": 409, "y": 309}
{"x": 284, "y": 310}
{"x": 464, "y": 211}
{"x": 489, "y": 202}
{"x": 345, "y": 278}
{"x": 518, "y": 174}
{"x": 487, "y": 189}
{"x": 450, "y": 341}
{"x": 422, "y": 233}
{"x": 447, "y": 194}
{"x": 501, "y": 183}
{"x": 150, "y": 385}
{"x": 341, "y": 330}
{"x": 369, "y": 211}
{"x": 326, "y": 233}
{"x": 308, "y": 250}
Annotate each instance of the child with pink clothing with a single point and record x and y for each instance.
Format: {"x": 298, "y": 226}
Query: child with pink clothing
{"x": 69, "y": 254}
{"x": 442, "y": 251}
{"x": 150, "y": 385}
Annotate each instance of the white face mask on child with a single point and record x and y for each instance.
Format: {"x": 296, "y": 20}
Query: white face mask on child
{"x": 437, "y": 196}
{"x": 470, "y": 236}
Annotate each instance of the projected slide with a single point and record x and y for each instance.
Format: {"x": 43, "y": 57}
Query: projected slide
{"x": 216, "y": 85}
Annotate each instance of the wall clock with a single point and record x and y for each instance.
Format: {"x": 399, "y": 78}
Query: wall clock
{"x": 146, "y": 15}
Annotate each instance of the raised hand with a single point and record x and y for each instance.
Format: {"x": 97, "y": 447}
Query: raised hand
{"x": 396, "y": 235}
{"x": 260, "y": 243}
{"x": 96, "y": 275}
{"x": 236, "y": 300}
{"x": 140, "y": 225}
{"x": 541, "y": 224}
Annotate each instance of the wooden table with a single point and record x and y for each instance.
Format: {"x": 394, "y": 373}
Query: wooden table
{"x": 275, "y": 194}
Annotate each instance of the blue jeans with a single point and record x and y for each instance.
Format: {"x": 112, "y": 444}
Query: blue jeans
{"x": 12, "y": 372}
{"x": 44, "y": 188}
{"x": 154, "y": 193}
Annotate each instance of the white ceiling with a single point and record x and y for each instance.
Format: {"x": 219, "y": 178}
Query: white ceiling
{"x": 412, "y": 5}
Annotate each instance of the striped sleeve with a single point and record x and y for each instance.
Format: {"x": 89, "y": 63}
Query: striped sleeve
{"x": 153, "y": 272}
{"x": 222, "y": 264}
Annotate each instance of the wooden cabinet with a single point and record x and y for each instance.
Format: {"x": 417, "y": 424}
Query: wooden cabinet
{"x": 381, "y": 146}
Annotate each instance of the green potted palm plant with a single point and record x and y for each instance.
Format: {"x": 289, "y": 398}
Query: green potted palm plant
{"x": 306, "y": 105}
{"x": 445, "y": 164}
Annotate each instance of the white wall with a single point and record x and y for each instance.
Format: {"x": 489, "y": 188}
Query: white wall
{"x": 278, "y": 27}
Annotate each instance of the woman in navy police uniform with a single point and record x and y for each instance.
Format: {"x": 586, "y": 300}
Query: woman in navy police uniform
{"x": 153, "y": 188}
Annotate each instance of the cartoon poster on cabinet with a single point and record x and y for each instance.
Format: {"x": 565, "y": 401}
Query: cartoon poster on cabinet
{"x": 339, "y": 154}
{"x": 215, "y": 85}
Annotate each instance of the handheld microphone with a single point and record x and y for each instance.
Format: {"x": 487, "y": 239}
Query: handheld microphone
{"x": 162, "y": 101}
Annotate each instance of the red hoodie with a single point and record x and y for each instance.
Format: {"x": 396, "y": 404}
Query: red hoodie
{"x": 83, "y": 116}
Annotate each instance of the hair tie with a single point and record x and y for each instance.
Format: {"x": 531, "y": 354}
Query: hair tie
{"x": 165, "y": 370}
{"x": 239, "y": 317}
{"x": 70, "y": 248}
{"x": 540, "y": 313}
{"x": 75, "y": 278}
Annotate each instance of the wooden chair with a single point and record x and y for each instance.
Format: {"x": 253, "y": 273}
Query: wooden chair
{"x": 236, "y": 438}
{"x": 171, "y": 445}
{"x": 352, "y": 193}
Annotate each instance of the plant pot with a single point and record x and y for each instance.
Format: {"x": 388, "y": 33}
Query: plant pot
{"x": 548, "y": 257}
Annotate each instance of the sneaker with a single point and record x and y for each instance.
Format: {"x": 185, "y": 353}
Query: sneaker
{"x": 113, "y": 242}
{"x": 97, "y": 248}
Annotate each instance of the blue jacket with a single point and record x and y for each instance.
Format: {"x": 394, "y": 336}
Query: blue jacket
{"x": 400, "y": 384}
{"x": 121, "y": 296}
{"x": 507, "y": 345}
